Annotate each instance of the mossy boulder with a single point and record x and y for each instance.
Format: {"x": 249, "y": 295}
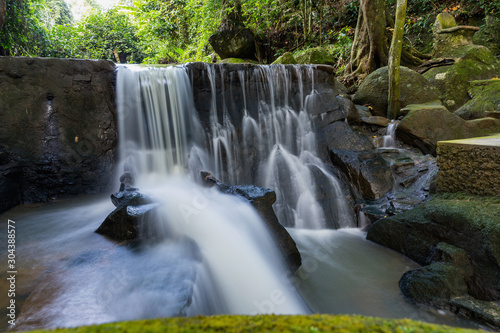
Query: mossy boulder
{"x": 458, "y": 238}
{"x": 446, "y": 40}
{"x": 424, "y": 127}
{"x": 489, "y": 35}
{"x": 238, "y": 61}
{"x": 285, "y": 59}
{"x": 485, "y": 96}
{"x": 433, "y": 285}
{"x": 473, "y": 62}
{"x": 316, "y": 55}
{"x": 415, "y": 89}
{"x": 468, "y": 223}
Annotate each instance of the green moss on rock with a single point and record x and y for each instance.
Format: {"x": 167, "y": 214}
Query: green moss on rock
{"x": 474, "y": 62}
{"x": 238, "y": 61}
{"x": 286, "y": 59}
{"x": 268, "y": 323}
{"x": 415, "y": 89}
{"x": 485, "y": 96}
{"x": 317, "y": 55}
{"x": 489, "y": 35}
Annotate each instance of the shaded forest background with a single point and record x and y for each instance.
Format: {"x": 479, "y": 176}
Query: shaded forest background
{"x": 161, "y": 31}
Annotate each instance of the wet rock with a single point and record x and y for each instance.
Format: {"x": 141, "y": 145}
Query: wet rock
{"x": 341, "y": 136}
{"x": 124, "y": 223}
{"x": 262, "y": 200}
{"x": 433, "y": 285}
{"x": 333, "y": 196}
{"x": 470, "y": 227}
{"x": 368, "y": 172}
{"x": 415, "y": 89}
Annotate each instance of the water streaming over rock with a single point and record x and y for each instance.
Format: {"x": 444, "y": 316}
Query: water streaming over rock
{"x": 163, "y": 145}
{"x": 389, "y": 139}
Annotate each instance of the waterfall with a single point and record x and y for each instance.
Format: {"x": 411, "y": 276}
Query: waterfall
{"x": 389, "y": 140}
{"x": 241, "y": 271}
{"x": 260, "y": 132}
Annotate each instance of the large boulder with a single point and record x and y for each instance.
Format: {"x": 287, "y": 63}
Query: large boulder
{"x": 356, "y": 156}
{"x": 485, "y": 96}
{"x": 449, "y": 36}
{"x": 235, "y": 42}
{"x": 469, "y": 223}
{"x": 262, "y": 199}
{"x": 286, "y": 58}
{"x": 472, "y": 62}
{"x": 233, "y": 39}
{"x": 316, "y": 55}
{"x": 457, "y": 239}
{"x": 424, "y": 127}
{"x": 489, "y": 34}
{"x": 415, "y": 89}
{"x": 58, "y": 127}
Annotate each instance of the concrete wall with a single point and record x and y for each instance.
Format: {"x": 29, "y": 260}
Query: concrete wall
{"x": 470, "y": 165}
{"x": 57, "y": 128}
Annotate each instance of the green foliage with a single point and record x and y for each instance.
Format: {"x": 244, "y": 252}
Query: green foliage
{"x": 23, "y": 33}
{"x": 100, "y": 35}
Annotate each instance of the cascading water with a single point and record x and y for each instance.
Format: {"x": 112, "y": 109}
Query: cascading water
{"x": 160, "y": 137}
{"x": 270, "y": 142}
{"x": 389, "y": 140}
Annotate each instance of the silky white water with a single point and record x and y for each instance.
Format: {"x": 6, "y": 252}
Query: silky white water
{"x": 240, "y": 263}
{"x": 389, "y": 139}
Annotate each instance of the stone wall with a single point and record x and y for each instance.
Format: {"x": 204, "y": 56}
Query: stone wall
{"x": 470, "y": 165}
{"x": 57, "y": 128}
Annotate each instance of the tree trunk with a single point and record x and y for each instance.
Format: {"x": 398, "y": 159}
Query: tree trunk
{"x": 3, "y": 9}
{"x": 370, "y": 49}
{"x": 395, "y": 60}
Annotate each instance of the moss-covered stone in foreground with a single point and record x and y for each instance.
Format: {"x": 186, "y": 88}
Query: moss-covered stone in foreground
{"x": 268, "y": 323}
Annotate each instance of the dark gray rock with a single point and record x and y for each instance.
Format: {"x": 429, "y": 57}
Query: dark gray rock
{"x": 125, "y": 222}
{"x": 367, "y": 171}
{"x": 340, "y": 136}
{"x": 473, "y": 62}
{"x": 58, "y": 119}
{"x": 233, "y": 39}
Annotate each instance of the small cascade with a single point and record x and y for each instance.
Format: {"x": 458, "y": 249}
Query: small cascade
{"x": 389, "y": 139}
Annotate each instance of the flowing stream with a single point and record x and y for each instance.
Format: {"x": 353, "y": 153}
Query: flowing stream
{"x": 212, "y": 253}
